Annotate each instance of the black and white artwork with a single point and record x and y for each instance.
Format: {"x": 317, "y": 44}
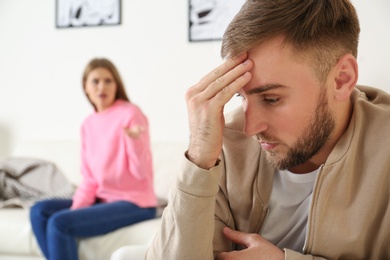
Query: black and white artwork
{"x": 208, "y": 19}
{"x": 80, "y": 13}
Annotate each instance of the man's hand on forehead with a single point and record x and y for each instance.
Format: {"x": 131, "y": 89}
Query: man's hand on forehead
{"x": 205, "y": 104}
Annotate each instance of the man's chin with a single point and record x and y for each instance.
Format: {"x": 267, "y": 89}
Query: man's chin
{"x": 275, "y": 160}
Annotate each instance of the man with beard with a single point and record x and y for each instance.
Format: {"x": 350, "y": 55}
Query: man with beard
{"x": 301, "y": 171}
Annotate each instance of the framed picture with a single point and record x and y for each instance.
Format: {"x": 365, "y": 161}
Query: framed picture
{"x": 83, "y": 13}
{"x": 208, "y": 19}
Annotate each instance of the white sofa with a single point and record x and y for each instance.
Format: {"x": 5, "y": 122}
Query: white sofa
{"x": 17, "y": 241}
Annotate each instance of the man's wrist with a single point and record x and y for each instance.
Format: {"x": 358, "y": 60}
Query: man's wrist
{"x": 201, "y": 163}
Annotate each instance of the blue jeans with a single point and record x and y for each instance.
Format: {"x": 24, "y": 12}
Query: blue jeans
{"x": 57, "y": 228}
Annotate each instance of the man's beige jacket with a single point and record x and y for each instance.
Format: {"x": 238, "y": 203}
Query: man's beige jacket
{"x": 349, "y": 216}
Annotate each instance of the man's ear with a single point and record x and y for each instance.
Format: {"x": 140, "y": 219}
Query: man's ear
{"x": 345, "y": 77}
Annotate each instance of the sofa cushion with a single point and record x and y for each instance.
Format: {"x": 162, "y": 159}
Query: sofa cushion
{"x": 101, "y": 247}
{"x": 16, "y": 235}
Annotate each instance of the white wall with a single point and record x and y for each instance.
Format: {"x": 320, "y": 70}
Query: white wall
{"x": 41, "y": 66}
{"x": 374, "y": 47}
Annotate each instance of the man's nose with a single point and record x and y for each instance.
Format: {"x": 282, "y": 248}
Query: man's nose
{"x": 255, "y": 121}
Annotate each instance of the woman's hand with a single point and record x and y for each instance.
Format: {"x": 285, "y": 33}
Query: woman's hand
{"x": 135, "y": 131}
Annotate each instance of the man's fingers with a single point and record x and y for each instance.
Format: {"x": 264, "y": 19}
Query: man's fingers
{"x": 223, "y": 82}
{"x": 227, "y": 79}
{"x": 205, "y": 103}
{"x": 227, "y": 92}
{"x": 218, "y": 72}
{"x": 236, "y": 236}
{"x": 222, "y": 96}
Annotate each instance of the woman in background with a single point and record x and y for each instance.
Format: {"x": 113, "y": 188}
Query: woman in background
{"x": 117, "y": 186}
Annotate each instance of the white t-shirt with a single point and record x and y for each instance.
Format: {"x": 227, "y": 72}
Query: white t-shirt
{"x": 285, "y": 225}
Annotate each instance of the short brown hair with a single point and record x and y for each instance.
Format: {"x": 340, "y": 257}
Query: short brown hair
{"x": 322, "y": 30}
{"x": 105, "y": 63}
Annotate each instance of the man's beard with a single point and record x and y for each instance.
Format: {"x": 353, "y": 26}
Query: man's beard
{"x": 310, "y": 142}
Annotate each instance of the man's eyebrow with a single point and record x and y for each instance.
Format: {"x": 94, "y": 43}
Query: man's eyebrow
{"x": 264, "y": 88}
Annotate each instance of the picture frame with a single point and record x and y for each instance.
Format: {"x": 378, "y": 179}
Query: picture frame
{"x": 208, "y": 19}
{"x": 86, "y": 13}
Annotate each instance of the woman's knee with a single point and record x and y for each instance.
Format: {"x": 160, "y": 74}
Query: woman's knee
{"x": 38, "y": 209}
{"x": 59, "y": 222}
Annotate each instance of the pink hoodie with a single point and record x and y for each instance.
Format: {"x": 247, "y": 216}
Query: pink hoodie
{"x": 114, "y": 166}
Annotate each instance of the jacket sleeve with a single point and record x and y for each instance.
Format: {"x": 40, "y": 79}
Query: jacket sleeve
{"x": 187, "y": 228}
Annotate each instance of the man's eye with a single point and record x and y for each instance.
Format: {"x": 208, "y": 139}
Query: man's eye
{"x": 271, "y": 101}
